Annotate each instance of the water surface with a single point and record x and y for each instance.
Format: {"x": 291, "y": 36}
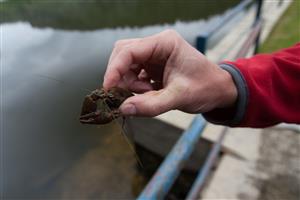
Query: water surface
{"x": 51, "y": 52}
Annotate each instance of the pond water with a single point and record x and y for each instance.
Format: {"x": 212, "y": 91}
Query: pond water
{"x": 51, "y": 52}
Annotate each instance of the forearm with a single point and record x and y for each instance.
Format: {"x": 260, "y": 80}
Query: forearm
{"x": 268, "y": 88}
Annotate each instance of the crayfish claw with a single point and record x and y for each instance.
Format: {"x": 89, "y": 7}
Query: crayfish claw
{"x": 88, "y": 118}
{"x": 102, "y": 107}
{"x": 89, "y": 105}
{"x": 87, "y": 121}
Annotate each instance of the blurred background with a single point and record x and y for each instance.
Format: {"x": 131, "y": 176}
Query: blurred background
{"x": 52, "y": 53}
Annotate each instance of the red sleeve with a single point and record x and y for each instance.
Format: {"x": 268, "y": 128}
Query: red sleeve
{"x": 273, "y": 87}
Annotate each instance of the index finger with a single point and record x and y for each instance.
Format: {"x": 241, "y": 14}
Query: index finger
{"x": 136, "y": 52}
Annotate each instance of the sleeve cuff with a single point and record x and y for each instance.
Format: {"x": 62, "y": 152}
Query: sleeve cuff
{"x": 231, "y": 116}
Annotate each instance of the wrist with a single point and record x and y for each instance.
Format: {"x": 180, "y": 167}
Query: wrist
{"x": 231, "y": 114}
{"x": 228, "y": 90}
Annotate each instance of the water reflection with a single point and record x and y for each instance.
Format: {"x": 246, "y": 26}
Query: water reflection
{"x": 46, "y": 153}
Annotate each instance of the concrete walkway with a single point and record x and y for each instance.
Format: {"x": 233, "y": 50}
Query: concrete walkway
{"x": 273, "y": 174}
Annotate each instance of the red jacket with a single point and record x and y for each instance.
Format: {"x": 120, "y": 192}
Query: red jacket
{"x": 268, "y": 90}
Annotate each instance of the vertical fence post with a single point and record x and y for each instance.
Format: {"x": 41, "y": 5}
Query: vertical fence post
{"x": 257, "y": 18}
{"x": 201, "y": 42}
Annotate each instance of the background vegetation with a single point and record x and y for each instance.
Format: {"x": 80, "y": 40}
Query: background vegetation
{"x": 95, "y": 14}
{"x": 286, "y": 32}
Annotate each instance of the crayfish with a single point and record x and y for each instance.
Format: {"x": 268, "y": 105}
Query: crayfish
{"x": 101, "y": 106}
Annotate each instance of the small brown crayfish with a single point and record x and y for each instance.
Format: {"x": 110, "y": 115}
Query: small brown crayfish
{"x": 101, "y": 106}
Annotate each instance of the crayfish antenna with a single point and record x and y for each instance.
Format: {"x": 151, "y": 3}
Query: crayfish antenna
{"x": 130, "y": 144}
{"x": 123, "y": 123}
{"x": 127, "y": 139}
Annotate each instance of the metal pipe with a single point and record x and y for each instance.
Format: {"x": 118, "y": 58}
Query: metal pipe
{"x": 169, "y": 170}
{"x": 234, "y": 11}
{"x": 202, "y": 40}
{"x": 250, "y": 40}
{"x": 204, "y": 171}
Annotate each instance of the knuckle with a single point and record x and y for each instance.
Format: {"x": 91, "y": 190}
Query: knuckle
{"x": 119, "y": 43}
{"x": 172, "y": 36}
{"x": 171, "y": 33}
{"x": 155, "y": 110}
{"x": 144, "y": 109}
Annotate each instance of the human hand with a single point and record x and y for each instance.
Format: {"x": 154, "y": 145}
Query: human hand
{"x": 167, "y": 73}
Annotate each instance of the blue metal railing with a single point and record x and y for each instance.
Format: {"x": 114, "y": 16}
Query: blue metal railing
{"x": 165, "y": 176}
{"x": 210, "y": 160}
{"x": 201, "y": 177}
{"x": 202, "y": 41}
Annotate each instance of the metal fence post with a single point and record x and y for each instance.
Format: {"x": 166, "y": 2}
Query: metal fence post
{"x": 257, "y": 18}
{"x": 201, "y": 43}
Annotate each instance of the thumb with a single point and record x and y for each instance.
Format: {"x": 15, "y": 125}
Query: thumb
{"x": 150, "y": 104}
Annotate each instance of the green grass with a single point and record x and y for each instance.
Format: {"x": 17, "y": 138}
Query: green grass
{"x": 286, "y": 32}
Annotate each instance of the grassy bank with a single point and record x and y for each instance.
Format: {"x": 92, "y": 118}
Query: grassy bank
{"x": 92, "y": 14}
{"x": 286, "y": 32}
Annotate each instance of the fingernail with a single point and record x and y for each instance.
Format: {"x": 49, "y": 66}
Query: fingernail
{"x": 128, "y": 109}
